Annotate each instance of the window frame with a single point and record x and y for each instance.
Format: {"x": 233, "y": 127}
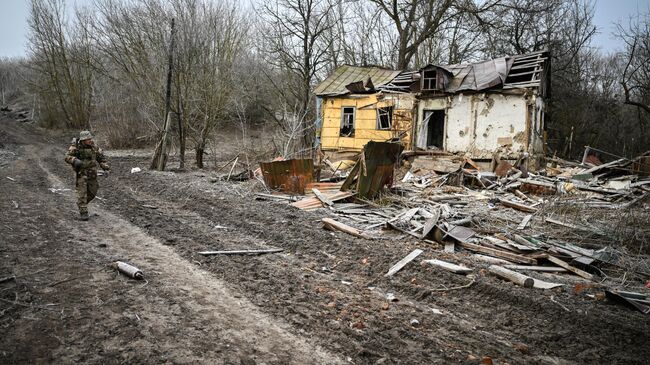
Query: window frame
{"x": 390, "y": 113}
{"x": 343, "y": 121}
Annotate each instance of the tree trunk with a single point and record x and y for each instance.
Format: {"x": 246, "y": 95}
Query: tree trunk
{"x": 200, "y": 149}
{"x": 159, "y": 159}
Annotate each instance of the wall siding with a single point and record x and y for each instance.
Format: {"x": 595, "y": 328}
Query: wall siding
{"x": 365, "y": 124}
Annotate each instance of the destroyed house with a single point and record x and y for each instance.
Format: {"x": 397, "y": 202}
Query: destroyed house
{"x": 362, "y": 104}
{"x": 479, "y": 109}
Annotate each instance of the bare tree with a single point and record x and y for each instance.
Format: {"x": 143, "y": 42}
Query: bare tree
{"x": 62, "y": 58}
{"x": 636, "y": 55}
{"x": 294, "y": 34}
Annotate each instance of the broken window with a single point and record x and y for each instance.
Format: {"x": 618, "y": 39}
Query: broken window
{"x": 385, "y": 117}
{"x": 347, "y": 122}
{"x": 429, "y": 80}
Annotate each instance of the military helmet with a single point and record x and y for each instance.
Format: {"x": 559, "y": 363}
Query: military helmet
{"x": 84, "y": 135}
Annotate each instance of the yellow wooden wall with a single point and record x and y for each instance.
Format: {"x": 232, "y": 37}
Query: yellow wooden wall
{"x": 365, "y": 124}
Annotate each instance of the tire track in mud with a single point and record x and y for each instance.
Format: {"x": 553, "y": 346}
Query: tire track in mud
{"x": 210, "y": 313}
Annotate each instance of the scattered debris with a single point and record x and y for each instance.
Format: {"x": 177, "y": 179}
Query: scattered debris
{"x": 511, "y": 217}
{"x": 135, "y": 170}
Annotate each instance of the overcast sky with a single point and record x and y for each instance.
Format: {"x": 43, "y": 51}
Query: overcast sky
{"x": 13, "y": 23}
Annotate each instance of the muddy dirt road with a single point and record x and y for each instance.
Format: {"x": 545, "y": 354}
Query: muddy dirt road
{"x": 321, "y": 301}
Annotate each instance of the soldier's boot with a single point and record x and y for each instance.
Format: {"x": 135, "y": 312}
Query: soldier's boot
{"x": 84, "y": 216}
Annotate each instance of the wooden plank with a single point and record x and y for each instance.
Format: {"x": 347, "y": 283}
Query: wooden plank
{"x": 398, "y": 266}
{"x": 274, "y": 196}
{"x": 315, "y": 203}
{"x": 535, "y": 268}
{"x": 450, "y": 246}
{"x": 409, "y": 214}
{"x": 241, "y": 252}
{"x": 524, "y": 222}
{"x": 457, "y": 269}
{"x": 498, "y": 253}
{"x": 560, "y": 223}
{"x": 331, "y": 224}
{"x": 518, "y": 206}
{"x": 322, "y": 197}
{"x": 574, "y": 270}
{"x": 603, "y": 166}
{"x": 430, "y": 223}
{"x": 491, "y": 260}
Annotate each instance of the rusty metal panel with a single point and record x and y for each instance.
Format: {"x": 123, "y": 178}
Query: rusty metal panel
{"x": 291, "y": 176}
{"x": 376, "y": 168}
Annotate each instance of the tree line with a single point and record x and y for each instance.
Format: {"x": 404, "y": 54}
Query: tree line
{"x": 106, "y": 65}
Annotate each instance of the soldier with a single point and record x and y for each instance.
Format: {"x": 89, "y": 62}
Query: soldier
{"x": 85, "y": 156}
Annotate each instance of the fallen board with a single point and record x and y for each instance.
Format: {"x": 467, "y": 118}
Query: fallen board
{"x": 332, "y": 225}
{"x": 398, "y": 266}
{"x": 535, "y": 268}
{"x": 518, "y": 206}
{"x": 574, "y": 270}
{"x": 457, "y": 269}
{"x": 241, "y": 252}
{"x": 524, "y": 222}
{"x": 498, "y": 253}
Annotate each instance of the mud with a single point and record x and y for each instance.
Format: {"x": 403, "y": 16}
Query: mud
{"x": 321, "y": 301}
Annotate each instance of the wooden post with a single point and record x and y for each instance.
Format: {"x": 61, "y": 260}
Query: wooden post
{"x": 515, "y": 277}
{"x": 161, "y": 154}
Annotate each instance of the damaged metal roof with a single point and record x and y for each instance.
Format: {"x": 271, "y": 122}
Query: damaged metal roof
{"x": 337, "y": 83}
{"x": 510, "y": 72}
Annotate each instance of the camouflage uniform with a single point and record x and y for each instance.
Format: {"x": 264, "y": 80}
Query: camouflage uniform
{"x": 90, "y": 157}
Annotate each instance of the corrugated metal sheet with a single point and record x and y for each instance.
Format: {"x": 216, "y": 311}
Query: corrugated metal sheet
{"x": 346, "y": 74}
{"x": 505, "y": 72}
{"x": 290, "y": 176}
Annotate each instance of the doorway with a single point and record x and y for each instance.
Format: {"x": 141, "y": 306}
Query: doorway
{"x": 435, "y": 128}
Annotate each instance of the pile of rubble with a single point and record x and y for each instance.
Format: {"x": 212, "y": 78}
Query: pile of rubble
{"x": 567, "y": 223}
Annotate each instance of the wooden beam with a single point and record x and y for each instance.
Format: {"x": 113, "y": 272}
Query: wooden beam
{"x": 331, "y": 224}
{"x": 535, "y": 268}
{"x": 518, "y": 206}
{"x": 515, "y": 277}
{"x": 457, "y": 269}
{"x": 498, "y": 253}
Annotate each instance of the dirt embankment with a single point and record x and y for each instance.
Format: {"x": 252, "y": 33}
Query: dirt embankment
{"x": 320, "y": 301}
